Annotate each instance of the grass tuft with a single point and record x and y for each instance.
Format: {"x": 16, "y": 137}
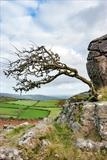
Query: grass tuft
{"x": 103, "y": 94}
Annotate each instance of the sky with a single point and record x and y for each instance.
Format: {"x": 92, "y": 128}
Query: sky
{"x": 65, "y": 26}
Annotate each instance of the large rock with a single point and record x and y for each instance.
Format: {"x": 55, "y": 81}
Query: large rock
{"x": 89, "y": 123}
{"x": 97, "y": 62}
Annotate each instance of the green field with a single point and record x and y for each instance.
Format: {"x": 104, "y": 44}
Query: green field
{"x": 23, "y": 102}
{"x": 29, "y": 109}
{"x": 10, "y": 105}
{"x": 49, "y": 103}
{"x": 8, "y": 111}
{"x": 33, "y": 114}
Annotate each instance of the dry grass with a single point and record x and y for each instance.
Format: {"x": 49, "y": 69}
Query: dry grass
{"x": 103, "y": 94}
{"x": 62, "y": 147}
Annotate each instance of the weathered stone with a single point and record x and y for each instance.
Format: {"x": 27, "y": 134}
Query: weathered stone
{"x": 45, "y": 143}
{"x": 9, "y": 154}
{"x": 86, "y": 118}
{"x": 90, "y": 145}
{"x": 97, "y": 62}
{"x": 26, "y": 139}
{"x": 101, "y": 119}
{"x": 8, "y": 127}
{"x": 29, "y": 138}
{"x": 75, "y": 126}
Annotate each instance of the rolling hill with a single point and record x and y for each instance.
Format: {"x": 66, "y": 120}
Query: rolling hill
{"x": 32, "y": 96}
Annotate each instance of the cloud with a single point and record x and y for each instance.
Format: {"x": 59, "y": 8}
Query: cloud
{"x": 28, "y": 4}
{"x": 65, "y": 26}
{"x": 55, "y": 13}
{"x": 70, "y": 88}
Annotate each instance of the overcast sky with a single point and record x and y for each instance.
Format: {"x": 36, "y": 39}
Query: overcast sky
{"x": 65, "y": 26}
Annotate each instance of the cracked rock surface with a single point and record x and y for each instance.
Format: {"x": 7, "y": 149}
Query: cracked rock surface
{"x": 97, "y": 62}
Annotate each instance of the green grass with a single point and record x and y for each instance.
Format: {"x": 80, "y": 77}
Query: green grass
{"x": 18, "y": 131}
{"x": 29, "y": 109}
{"x": 62, "y": 147}
{"x": 48, "y": 103}
{"x": 54, "y": 112}
{"x": 8, "y": 111}
{"x": 11, "y": 105}
{"x": 33, "y": 114}
{"x": 103, "y": 94}
{"x": 4, "y": 99}
{"x": 23, "y": 102}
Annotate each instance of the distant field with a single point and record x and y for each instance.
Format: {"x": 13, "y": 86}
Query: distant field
{"x": 33, "y": 114}
{"x": 11, "y": 105}
{"x": 49, "y": 103}
{"x": 8, "y": 111}
{"x": 29, "y": 109}
{"x": 23, "y": 102}
{"x": 4, "y": 99}
{"x": 54, "y": 112}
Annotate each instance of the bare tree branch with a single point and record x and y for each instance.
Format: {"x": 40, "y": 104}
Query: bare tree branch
{"x": 44, "y": 65}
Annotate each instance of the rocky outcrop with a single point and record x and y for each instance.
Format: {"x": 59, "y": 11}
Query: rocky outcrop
{"x": 90, "y": 145}
{"x": 32, "y": 138}
{"x": 9, "y": 154}
{"x": 29, "y": 137}
{"x": 88, "y": 119}
{"x": 97, "y": 62}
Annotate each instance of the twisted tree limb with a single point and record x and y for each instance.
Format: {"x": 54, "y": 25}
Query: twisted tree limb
{"x": 43, "y": 65}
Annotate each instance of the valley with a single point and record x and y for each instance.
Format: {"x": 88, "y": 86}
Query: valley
{"x": 29, "y": 109}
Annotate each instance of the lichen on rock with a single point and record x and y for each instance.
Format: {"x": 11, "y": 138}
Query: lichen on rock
{"x": 87, "y": 118}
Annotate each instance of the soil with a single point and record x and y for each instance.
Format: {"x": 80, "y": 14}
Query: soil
{"x": 15, "y": 122}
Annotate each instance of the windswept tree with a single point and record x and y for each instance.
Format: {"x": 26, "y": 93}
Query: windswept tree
{"x": 43, "y": 65}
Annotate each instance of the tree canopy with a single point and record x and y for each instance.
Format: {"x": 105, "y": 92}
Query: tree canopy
{"x": 41, "y": 64}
